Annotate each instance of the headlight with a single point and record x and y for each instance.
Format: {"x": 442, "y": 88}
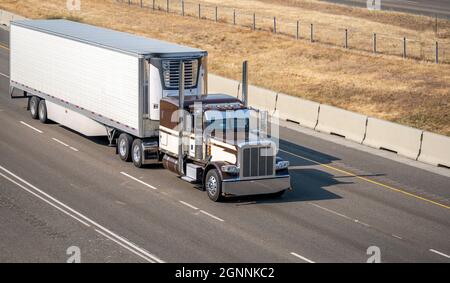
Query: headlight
{"x": 282, "y": 165}
{"x": 230, "y": 169}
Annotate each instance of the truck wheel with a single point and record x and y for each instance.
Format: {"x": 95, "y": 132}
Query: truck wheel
{"x": 213, "y": 185}
{"x": 42, "y": 111}
{"x": 136, "y": 153}
{"x": 124, "y": 146}
{"x": 33, "y": 104}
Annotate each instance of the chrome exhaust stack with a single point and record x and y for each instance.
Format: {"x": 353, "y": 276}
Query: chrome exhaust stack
{"x": 244, "y": 83}
{"x": 205, "y": 75}
{"x": 181, "y": 122}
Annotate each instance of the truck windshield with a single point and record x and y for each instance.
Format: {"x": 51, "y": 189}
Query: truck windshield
{"x": 230, "y": 125}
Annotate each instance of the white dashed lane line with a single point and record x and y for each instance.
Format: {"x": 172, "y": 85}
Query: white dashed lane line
{"x": 302, "y": 257}
{"x": 188, "y": 205}
{"x": 440, "y": 253}
{"x": 31, "y": 127}
{"x": 65, "y": 144}
{"x": 139, "y": 181}
{"x": 60, "y": 142}
{"x": 212, "y": 216}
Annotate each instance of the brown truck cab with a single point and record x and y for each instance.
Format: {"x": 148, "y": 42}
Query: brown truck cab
{"x": 222, "y": 147}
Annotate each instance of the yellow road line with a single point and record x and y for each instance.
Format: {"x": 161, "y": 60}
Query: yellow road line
{"x": 369, "y": 180}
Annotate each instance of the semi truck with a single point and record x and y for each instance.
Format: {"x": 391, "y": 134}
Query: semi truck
{"x": 150, "y": 99}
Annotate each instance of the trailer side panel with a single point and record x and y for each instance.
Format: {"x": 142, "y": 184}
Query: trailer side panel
{"x": 101, "y": 81}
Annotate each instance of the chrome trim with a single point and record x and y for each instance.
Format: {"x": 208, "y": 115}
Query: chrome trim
{"x": 150, "y": 148}
{"x": 239, "y": 187}
{"x": 245, "y": 165}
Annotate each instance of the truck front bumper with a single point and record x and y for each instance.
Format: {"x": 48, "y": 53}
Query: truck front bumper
{"x": 237, "y": 187}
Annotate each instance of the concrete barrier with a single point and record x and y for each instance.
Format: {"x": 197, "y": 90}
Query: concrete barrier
{"x": 218, "y": 84}
{"x": 435, "y": 149}
{"x": 261, "y": 98}
{"x": 302, "y": 111}
{"x": 394, "y": 137}
{"x": 333, "y": 120}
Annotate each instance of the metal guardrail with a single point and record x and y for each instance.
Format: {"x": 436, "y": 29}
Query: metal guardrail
{"x": 348, "y": 38}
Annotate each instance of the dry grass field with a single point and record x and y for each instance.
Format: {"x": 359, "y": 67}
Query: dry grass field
{"x": 410, "y": 92}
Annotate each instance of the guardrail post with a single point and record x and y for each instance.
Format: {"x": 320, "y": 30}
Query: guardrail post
{"x": 199, "y": 11}
{"x": 297, "y": 35}
{"x": 215, "y": 15}
{"x": 153, "y": 5}
{"x": 234, "y": 16}
{"x": 141, "y": 3}
{"x": 274, "y": 24}
{"x": 404, "y": 47}
{"x": 129, "y": 2}
{"x": 312, "y": 33}
{"x": 346, "y": 39}
{"x": 437, "y": 52}
{"x": 167, "y": 6}
{"x": 374, "y": 42}
{"x": 254, "y": 21}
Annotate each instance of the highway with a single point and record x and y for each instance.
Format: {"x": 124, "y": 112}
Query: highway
{"x": 440, "y": 8}
{"x": 60, "y": 189}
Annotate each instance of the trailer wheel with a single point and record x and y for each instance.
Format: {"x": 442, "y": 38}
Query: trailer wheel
{"x": 213, "y": 185}
{"x": 42, "y": 111}
{"x": 136, "y": 153}
{"x": 124, "y": 146}
{"x": 33, "y": 104}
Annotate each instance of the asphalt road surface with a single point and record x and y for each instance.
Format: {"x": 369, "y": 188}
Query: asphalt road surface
{"x": 440, "y": 8}
{"x": 59, "y": 189}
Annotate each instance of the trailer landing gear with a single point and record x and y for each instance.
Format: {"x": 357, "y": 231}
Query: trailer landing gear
{"x": 111, "y": 133}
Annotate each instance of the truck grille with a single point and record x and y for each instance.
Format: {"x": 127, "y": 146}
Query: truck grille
{"x": 257, "y": 162}
{"x": 171, "y": 73}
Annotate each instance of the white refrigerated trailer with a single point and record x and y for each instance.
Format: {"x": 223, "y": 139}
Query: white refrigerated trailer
{"x": 101, "y": 82}
{"x": 115, "y": 79}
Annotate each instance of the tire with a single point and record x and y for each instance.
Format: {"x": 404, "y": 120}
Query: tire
{"x": 124, "y": 146}
{"x": 213, "y": 185}
{"x": 33, "y": 104}
{"x": 42, "y": 111}
{"x": 137, "y": 153}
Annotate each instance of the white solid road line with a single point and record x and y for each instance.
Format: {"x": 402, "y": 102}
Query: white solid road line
{"x": 439, "y": 253}
{"x": 122, "y": 245}
{"x": 58, "y": 141}
{"x": 48, "y": 202}
{"x": 3, "y": 75}
{"x": 72, "y": 148}
{"x": 139, "y": 181}
{"x": 212, "y": 216}
{"x": 302, "y": 257}
{"x": 80, "y": 217}
{"x": 31, "y": 127}
{"x": 188, "y": 204}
